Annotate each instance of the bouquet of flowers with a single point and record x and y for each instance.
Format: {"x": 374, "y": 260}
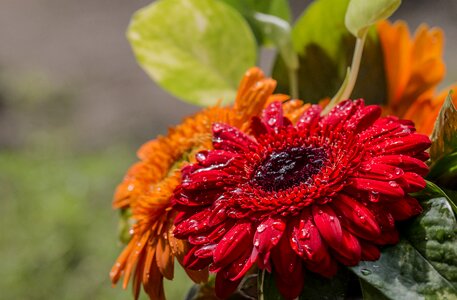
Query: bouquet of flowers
{"x": 333, "y": 178}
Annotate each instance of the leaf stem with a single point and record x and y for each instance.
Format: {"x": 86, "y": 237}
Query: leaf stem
{"x": 355, "y": 66}
{"x": 346, "y": 88}
{"x": 293, "y": 83}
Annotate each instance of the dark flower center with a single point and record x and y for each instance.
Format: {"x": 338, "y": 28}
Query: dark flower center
{"x": 289, "y": 167}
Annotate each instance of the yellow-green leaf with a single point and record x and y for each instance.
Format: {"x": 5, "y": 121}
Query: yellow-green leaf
{"x": 197, "y": 50}
{"x": 361, "y": 14}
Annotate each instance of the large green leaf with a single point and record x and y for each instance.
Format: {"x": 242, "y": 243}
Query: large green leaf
{"x": 198, "y": 50}
{"x": 325, "y": 50}
{"x": 444, "y": 136}
{"x": 424, "y": 264}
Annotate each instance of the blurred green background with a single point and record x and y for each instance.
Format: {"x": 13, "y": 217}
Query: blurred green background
{"x": 74, "y": 107}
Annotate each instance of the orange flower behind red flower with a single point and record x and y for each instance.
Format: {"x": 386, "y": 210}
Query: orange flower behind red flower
{"x": 414, "y": 67}
{"x": 149, "y": 184}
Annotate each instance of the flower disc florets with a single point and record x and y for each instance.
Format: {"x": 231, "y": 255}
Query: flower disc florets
{"x": 293, "y": 197}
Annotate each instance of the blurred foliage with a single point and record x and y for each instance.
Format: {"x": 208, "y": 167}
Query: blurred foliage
{"x": 58, "y": 233}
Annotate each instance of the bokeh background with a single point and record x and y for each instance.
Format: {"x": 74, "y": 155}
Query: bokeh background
{"x": 74, "y": 107}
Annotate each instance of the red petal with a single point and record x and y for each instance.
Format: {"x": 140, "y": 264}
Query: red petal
{"x": 240, "y": 266}
{"x": 414, "y": 181}
{"x": 310, "y": 118}
{"x": 388, "y": 238}
{"x": 194, "y": 224}
{"x": 208, "y": 158}
{"x": 360, "y": 221}
{"x": 233, "y": 244}
{"x": 273, "y": 115}
{"x": 365, "y": 117}
{"x": 225, "y": 287}
{"x": 407, "y": 163}
{"x": 405, "y": 208}
{"x": 410, "y": 144}
{"x": 327, "y": 267}
{"x": 305, "y": 239}
{"x": 380, "y": 171}
{"x": 258, "y": 127}
{"x": 349, "y": 252}
{"x": 291, "y": 287}
{"x": 328, "y": 224}
{"x": 205, "y": 251}
{"x": 390, "y": 188}
{"x": 340, "y": 113}
{"x": 267, "y": 236}
{"x": 369, "y": 251}
{"x": 207, "y": 179}
{"x": 191, "y": 261}
{"x": 229, "y": 138}
{"x": 385, "y": 220}
{"x": 288, "y": 267}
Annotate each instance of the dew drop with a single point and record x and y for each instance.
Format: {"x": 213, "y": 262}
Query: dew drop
{"x": 365, "y": 272}
{"x": 271, "y": 121}
{"x": 261, "y": 228}
{"x": 393, "y": 184}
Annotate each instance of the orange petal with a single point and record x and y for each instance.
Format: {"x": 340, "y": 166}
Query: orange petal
{"x": 164, "y": 258}
{"x": 396, "y": 45}
{"x": 253, "y": 93}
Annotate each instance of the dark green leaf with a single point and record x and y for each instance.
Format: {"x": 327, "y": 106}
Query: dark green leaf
{"x": 444, "y": 171}
{"x": 267, "y": 289}
{"x": 325, "y": 49}
{"x": 424, "y": 264}
{"x": 343, "y": 286}
{"x": 198, "y": 50}
{"x": 370, "y": 293}
{"x": 444, "y": 136}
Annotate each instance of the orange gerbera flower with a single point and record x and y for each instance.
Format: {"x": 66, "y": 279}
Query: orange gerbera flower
{"x": 414, "y": 67}
{"x": 149, "y": 184}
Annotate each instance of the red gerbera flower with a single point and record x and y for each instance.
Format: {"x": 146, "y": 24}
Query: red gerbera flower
{"x": 290, "y": 198}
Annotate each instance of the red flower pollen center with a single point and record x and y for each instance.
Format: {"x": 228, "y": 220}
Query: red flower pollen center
{"x": 288, "y": 168}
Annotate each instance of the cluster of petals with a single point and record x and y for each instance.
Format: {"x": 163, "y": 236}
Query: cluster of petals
{"x": 293, "y": 197}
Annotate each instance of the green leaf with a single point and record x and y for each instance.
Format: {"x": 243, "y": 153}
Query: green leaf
{"x": 278, "y": 8}
{"x": 248, "y": 8}
{"x": 424, "y": 264}
{"x": 198, "y": 50}
{"x": 325, "y": 49}
{"x": 266, "y": 285}
{"x": 342, "y": 286}
{"x": 370, "y": 293}
{"x": 444, "y": 171}
{"x": 434, "y": 191}
{"x": 434, "y": 235}
{"x": 361, "y": 14}
{"x": 444, "y": 136}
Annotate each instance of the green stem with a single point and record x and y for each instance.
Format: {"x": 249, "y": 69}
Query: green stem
{"x": 293, "y": 83}
{"x": 355, "y": 66}
{"x": 347, "y": 87}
